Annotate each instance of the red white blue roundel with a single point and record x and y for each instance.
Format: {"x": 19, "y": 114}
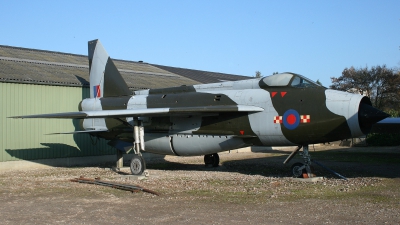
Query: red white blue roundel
{"x": 291, "y": 119}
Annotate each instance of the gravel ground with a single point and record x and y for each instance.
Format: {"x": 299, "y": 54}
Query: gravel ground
{"x": 247, "y": 188}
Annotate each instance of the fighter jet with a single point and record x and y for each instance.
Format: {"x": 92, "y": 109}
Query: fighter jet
{"x": 284, "y": 109}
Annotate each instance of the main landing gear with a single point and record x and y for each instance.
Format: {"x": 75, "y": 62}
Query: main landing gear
{"x": 212, "y": 159}
{"x": 301, "y": 170}
{"x": 138, "y": 165}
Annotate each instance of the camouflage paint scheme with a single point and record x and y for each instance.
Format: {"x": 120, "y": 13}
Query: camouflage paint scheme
{"x": 283, "y": 109}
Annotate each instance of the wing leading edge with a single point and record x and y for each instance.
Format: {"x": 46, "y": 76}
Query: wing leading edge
{"x": 144, "y": 112}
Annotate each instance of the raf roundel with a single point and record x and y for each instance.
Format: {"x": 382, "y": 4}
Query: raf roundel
{"x": 291, "y": 119}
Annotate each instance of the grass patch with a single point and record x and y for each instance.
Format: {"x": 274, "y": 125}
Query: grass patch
{"x": 378, "y": 193}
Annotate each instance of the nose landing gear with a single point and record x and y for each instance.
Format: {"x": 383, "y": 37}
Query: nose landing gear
{"x": 298, "y": 169}
{"x": 301, "y": 169}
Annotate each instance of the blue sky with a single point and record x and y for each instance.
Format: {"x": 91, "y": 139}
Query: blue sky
{"x": 317, "y": 39}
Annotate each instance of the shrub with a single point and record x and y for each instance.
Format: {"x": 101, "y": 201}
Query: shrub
{"x": 383, "y": 139}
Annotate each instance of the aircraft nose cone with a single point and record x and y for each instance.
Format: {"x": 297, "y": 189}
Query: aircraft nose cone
{"x": 368, "y": 116}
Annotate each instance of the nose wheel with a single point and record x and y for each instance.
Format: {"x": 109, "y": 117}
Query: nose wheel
{"x": 301, "y": 170}
{"x": 298, "y": 169}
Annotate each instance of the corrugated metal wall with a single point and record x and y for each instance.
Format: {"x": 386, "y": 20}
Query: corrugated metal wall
{"x": 26, "y": 139}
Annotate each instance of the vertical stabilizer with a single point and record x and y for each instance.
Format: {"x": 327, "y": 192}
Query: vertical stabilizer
{"x": 105, "y": 79}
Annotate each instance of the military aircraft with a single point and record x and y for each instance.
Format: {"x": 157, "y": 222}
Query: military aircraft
{"x": 283, "y": 109}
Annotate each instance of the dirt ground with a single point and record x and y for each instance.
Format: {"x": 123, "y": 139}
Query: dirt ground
{"x": 250, "y": 188}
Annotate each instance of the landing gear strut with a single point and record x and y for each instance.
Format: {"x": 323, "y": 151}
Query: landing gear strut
{"x": 212, "y": 159}
{"x": 138, "y": 165}
{"x": 301, "y": 169}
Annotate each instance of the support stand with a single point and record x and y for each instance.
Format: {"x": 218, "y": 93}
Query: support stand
{"x": 120, "y": 160}
{"x": 330, "y": 170}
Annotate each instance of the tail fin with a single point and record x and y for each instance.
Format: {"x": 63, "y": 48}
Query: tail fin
{"x": 105, "y": 79}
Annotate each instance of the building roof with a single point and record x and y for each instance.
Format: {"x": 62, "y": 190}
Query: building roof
{"x": 203, "y": 77}
{"x": 23, "y": 65}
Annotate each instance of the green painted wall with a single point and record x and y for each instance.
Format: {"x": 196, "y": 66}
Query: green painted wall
{"x": 26, "y": 139}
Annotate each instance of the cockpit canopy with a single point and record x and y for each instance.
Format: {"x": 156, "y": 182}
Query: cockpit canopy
{"x": 288, "y": 79}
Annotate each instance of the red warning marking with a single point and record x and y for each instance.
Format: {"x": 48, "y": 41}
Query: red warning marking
{"x": 273, "y": 93}
{"x": 242, "y": 132}
{"x": 283, "y": 93}
{"x": 278, "y": 119}
{"x": 291, "y": 119}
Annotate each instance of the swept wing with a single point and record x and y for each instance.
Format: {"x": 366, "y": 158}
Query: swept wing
{"x": 145, "y": 112}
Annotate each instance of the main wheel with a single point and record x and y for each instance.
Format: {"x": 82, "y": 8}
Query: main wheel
{"x": 137, "y": 165}
{"x": 297, "y": 171}
{"x": 212, "y": 159}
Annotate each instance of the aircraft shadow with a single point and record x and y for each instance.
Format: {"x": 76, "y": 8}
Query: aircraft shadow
{"x": 349, "y": 162}
{"x": 51, "y": 150}
{"x": 269, "y": 163}
{"x": 64, "y": 153}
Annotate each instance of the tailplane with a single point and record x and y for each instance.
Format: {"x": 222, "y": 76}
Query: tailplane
{"x": 105, "y": 79}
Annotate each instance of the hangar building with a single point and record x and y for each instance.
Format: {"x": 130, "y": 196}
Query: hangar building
{"x": 38, "y": 82}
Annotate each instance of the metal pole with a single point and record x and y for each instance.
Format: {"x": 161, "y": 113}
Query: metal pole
{"x": 292, "y": 155}
{"x": 319, "y": 164}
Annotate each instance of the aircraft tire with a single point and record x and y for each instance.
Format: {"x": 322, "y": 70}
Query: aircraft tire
{"x": 295, "y": 170}
{"x": 212, "y": 159}
{"x": 137, "y": 165}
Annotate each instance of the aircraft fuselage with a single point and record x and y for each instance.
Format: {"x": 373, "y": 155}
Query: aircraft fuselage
{"x": 284, "y": 109}
{"x": 294, "y": 114}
